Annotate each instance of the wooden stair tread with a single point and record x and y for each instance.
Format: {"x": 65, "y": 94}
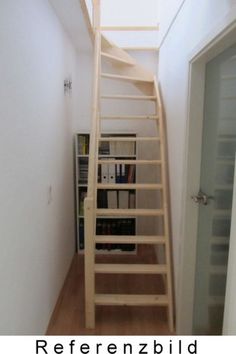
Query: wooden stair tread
{"x": 143, "y": 49}
{"x": 117, "y": 59}
{"x": 130, "y": 28}
{"x": 150, "y": 117}
{"x": 126, "y": 78}
{"x": 141, "y": 239}
{"x": 122, "y": 138}
{"x": 107, "y": 161}
{"x": 143, "y": 186}
{"x": 130, "y": 300}
{"x": 132, "y": 212}
{"x": 110, "y": 268}
{"x": 129, "y": 97}
{"x": 106, "y": 43}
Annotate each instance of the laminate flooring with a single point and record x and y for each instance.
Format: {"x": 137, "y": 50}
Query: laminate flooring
{"x": 69, "y": 318}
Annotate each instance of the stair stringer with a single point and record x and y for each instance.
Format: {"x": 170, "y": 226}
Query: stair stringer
{"x": 166, "y": 204}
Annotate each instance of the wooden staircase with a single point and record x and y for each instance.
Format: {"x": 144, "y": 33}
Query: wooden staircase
{"x": 127, "y": 70}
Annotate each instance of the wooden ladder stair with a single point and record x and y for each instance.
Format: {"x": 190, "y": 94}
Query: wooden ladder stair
{"x": 136, "y": 74}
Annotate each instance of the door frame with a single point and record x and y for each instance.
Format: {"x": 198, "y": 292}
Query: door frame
{"x": 221, "y": 38}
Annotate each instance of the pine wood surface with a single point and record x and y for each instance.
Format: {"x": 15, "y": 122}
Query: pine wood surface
{"x": 108, "y": 287}
{"x": 117, "y": 59}
{"x": 130, "y": 28}
{"x": 125, "y": 78}
{"x": 69, "y": 316}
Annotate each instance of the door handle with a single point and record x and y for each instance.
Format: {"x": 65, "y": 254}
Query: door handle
{"x": 201, "y": 198}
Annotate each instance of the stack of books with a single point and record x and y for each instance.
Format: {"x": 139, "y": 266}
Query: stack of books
{"x": 115, "y": 227}
{"x": 83, "y": 171}
{"x": 83, "y": 144}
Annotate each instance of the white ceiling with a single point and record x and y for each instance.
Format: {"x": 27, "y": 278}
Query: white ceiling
{"x": 129, "y": 12}
{"x": 115, "y": 13}
{"x": 71, "y": 17}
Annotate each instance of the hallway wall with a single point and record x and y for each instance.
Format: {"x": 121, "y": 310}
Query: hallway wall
{"x": 36, "y": 164}
{"x": 194, "y": 22}
{"x": 149, "y": 60}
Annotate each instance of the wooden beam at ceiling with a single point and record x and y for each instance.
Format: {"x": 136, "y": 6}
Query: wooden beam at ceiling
{"x": 130, "y": 28}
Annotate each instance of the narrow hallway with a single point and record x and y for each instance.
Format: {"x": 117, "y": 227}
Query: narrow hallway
{"x": 68, "y": 317}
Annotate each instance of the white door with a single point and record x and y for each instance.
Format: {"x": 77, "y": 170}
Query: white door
{"x": 216, "y": 192}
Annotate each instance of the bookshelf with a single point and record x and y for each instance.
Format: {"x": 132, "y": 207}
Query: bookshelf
{"x": 107, "y": 173}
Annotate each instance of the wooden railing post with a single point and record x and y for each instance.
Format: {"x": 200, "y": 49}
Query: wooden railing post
{"x": 96, "y": 14}
{"x": 90, "y": 203}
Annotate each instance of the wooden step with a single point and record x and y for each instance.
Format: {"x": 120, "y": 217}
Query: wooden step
{"x": 118, "y": 60}
{"x": 143, "y": 49}
{"x": 129, "y": 97}
{"x": 105, "y": 43}
{"x": 130, "y": 300}
{"x": 129, "y": 212}
{"x": 128, "y": 138}
{"x": 107, "y": 161}
{"x": 150, "y": 117}
{"x": 126, "y": 239}
{"x": 125, "y": 78}
{"x": 141, "y": 186}
{"x": 110, "y": 268}
{"x": 130, "y": 28}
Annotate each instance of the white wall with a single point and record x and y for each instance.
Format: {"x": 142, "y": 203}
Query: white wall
{"x": 72, "y": 18}
{"x": 131, "y": 13}
{"x": 193, "y": 23}
{"x": 85, "y": 92}
{"x": 167, "y": 12}
{"x": 36, "y": 229}
{"x": 82, "y": 122}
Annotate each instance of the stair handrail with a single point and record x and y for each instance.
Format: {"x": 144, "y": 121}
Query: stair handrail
{"x": 95, "y": 113}
{"x": 88, "y": 18}
{"x": 166, "y": 199}
{"x": 90, "y": 202}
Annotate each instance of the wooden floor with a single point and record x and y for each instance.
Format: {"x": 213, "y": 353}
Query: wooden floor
{"x": 68, "y": 316}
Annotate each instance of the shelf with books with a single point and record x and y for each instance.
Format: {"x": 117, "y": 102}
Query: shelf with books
{"x": 117, "y": 148}
{"x": 109, "y": 226}
{"x": 115, "y": 227}
{"x": 120, "y": 173}
{"x": 82, "y": 171}
{"x": 82, "y": 196}
{"x": 117, "y": 172}
{"x": 116, "y": 156}
{"x": 82, "y": 144}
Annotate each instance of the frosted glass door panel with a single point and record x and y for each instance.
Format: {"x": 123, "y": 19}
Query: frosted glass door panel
{"x": 217, "y": 176}
{"x": 229, "y": 327}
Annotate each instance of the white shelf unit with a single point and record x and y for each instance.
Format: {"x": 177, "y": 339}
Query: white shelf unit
{"x": 82, "y": 155}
